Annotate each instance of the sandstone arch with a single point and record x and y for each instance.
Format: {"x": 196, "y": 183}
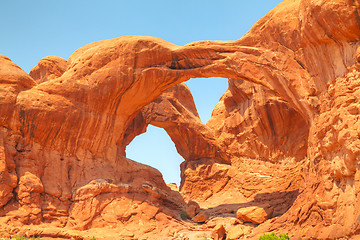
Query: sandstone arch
{"x": 56, "y": 136}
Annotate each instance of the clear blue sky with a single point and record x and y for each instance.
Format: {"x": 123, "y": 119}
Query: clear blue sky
{"x": 31, "y": 30}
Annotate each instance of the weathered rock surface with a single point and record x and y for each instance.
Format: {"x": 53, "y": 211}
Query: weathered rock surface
{"x": 255, "y": 122}
{"x": 237, "y": 232}
{"x": 48, "y": 68}
{"x": 284, "y": 134}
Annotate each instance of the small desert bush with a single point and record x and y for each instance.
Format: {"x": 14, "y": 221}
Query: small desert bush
{"x": 273, "y": 236}
{"x": 184, "y": 215}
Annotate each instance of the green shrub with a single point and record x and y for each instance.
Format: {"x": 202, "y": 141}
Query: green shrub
{"x": 20, "y": 238}
{"x": 273, "y": 236}
{"x": 25, "y": 238}
{"x": 184, "y": 215}
{"x": 93, "y": 238}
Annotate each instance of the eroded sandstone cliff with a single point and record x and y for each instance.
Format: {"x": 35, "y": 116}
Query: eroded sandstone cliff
{"x": 283, "y": 138}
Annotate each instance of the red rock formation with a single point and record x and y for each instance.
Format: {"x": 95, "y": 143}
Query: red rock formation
{"x": 256, "y": 122}
{"x": 330, "y": 199}
{"x": 62, "y": 142}
{"x": 48, "y": 68}
{"x": 13, "y": 80}
{"x": 68, "y": 132}
{"x": 175, "y": 111}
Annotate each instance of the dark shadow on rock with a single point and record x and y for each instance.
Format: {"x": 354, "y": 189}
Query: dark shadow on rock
{"x": 279, "y": 202}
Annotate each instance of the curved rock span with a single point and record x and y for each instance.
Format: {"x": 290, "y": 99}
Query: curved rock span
{"x": 282, "y": 144}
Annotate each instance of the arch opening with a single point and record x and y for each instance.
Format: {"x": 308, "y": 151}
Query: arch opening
{"x": 207, "y": 93}
{"x": 155, "y": 148}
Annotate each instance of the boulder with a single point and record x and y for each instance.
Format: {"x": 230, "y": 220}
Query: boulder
{"x": 192, "y": 209}
{"x": 201, "y": 217}
{"x": 255, "y": 214}
{"x": 237, "y": 231}
{"x": 218, "y": 232}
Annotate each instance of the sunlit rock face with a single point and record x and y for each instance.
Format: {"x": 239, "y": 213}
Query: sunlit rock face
{"x": 284, "y": 136}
